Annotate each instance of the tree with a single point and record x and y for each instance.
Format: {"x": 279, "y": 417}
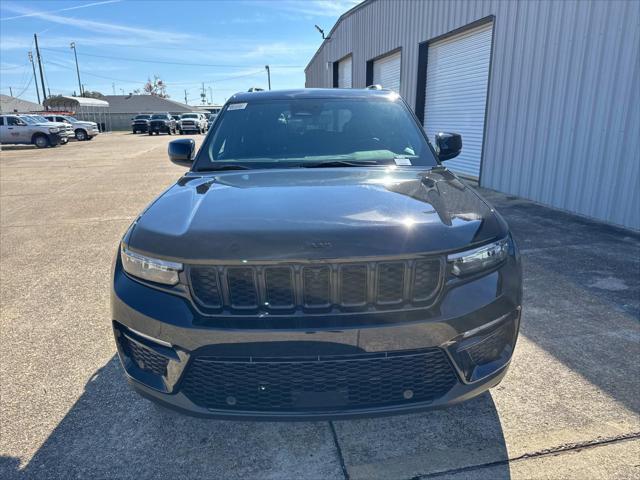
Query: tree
{"x": 94, "y": 94}
{"x": 155, "y": 87}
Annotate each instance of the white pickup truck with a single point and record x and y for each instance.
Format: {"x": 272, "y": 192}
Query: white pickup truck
{"x": 15, "y": 130}
{"x": 83, "y": 130}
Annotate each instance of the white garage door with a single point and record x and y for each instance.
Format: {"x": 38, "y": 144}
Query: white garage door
{"x": 344, "y": 73}
{"x": 456, "y": 96}
{"x": 386, "y": 72}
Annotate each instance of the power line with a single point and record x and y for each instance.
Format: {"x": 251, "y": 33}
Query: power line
{"x": 165, "y": 62}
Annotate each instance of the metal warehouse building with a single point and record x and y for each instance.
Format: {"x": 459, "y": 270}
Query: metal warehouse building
{"x": 546, "y": 94}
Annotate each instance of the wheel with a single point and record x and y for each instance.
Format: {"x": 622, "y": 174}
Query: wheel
{"x": 90, "y": 138}
{"x": 135, "y": 131}
{"x": 41, "y": 141}
{"x": 64, "y": 141}
{"x": 180, "y": 132}
{"x": 150, "y": 133}
{"x": 170, "y": 132}
{"x": 81, "y": 135}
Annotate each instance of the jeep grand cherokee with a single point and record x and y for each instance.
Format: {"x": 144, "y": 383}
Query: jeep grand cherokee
{"x": 316, "y": 261}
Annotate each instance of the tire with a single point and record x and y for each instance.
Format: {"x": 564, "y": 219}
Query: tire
{"x": 180, "y": 132}
{"x": 135, "y": 131}
{"x": 41, "y": 141}
{"x": 90, "y": 138}
{"x": 81, "y": 135}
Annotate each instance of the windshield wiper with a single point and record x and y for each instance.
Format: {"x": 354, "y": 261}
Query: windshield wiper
{"x": 224, "y": 167}
{"x": 341, "y": 163}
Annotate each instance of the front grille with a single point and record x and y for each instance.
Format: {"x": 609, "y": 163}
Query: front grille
{"x": 144, "y": 357}
{"x": 288, "y": 384}
{"x": 317, "y": 287}
{"x": 158, "y": 124}
{"x": 187, "y": 123}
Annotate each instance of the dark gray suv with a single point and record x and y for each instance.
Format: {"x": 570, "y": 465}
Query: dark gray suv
{"x": 316, "y": 261}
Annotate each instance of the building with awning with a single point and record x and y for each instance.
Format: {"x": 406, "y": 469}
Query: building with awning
{"x": 83, "y": 108}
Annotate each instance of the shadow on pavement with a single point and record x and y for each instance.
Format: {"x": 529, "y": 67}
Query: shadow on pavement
{"x": 111, "y": 432}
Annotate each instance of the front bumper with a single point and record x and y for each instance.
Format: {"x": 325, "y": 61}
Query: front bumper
{"x": 187, "y": 128}
{"x": 55, "y": 139}
{"x": 160, "y": 128}
{"x": 378, "y": 364}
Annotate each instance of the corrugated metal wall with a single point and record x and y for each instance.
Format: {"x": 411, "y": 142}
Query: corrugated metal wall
{"x": 563, "y": 112}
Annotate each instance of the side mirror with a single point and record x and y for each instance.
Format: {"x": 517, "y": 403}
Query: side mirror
{"x": 448, "y": 145}
{"x": 182, "y": 151}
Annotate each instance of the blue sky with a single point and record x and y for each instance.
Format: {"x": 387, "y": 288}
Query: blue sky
{"x": 121, "y": 43}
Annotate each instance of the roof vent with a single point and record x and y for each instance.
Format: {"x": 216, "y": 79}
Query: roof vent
{"x": 377, "y": 86}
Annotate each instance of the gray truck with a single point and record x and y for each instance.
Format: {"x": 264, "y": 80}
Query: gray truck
{"x": 15, "y": 130}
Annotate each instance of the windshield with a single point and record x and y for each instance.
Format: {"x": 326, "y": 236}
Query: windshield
{"x": 39, "y": 118}
{"x": 142, "y": 117}
{"x": 29, "y": 120}
{"x": 308, "y": 132}
{"x": 163, "y": 117}
{"x": 189, "y": 115}
{"x": 71, "y": 119}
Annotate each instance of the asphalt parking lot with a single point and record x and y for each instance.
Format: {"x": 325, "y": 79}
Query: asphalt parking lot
{"x": 568, "y": 408}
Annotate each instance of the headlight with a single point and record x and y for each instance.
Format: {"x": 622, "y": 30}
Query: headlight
{"x": 152, "y": 269}
{"x": 54, "y": 130}
{"x": 478, "y": 259}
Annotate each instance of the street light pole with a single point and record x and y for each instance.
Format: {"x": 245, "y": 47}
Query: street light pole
{"x": 268, "y": 75}
{"x": 75, "y": 54}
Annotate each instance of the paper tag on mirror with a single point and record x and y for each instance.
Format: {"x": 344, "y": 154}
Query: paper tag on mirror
{"x": 237, "y": 106}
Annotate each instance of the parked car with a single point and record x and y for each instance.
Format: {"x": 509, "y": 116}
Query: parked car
{"x": 316, "y": 261}
{"x": 176, "y": 118}
{"x": 211, "y": 118}
{"x": 192, "y": 122}
{"x": 65, "y": 130}
{"x": 15, "y": 130}
{"x": 82, "y": 130}
{"x": 162, "y": 123}
{"x": 140, "y": 123}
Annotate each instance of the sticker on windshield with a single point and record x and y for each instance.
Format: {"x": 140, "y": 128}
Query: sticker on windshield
{"x": 237, "y": 106}
{"x": 402, "y": 161}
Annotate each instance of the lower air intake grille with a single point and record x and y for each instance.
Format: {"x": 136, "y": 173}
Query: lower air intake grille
{"x": 144, "y": 357}
{"x": 346, "y": 382}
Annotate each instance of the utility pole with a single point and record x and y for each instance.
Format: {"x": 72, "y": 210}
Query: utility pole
{"x": 10, "y": 92}
{"x": 268, "y": 75}
{"x": 44, "y": 94}
{"x": 186, "y": 99}
{"x": 113, "y": 87}
{"x": 35, "y": 78}
{"x": 203, "y": 95}
{"x": 211, "y": 95}
{"x": 75, "y": 54}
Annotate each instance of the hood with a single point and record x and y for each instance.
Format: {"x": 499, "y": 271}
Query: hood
{"x": 313, "y": 214}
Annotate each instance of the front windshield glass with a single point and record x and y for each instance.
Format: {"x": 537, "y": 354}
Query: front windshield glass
{"x": 39, "y": 118}
{"x": 189, "y": 115}
{"x": 29, "y": 120}
{"x": 306, "y": 132}
{"x": 142, "y": 117}
{"x": 160, "y": 116}
{"x": 71, "y": 119}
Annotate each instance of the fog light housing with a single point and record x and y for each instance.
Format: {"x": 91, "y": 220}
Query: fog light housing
{"x": 479, "y": 353}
